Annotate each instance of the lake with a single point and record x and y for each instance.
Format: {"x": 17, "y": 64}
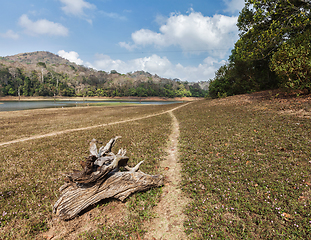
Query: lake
{"x": 24, "y": 105}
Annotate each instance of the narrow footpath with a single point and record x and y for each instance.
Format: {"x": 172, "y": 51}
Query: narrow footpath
{"x": 168, "y": 225}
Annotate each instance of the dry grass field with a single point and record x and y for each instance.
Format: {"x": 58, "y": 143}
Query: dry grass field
{"x": 31, "y": 171}
{"x": 246, "y": 168}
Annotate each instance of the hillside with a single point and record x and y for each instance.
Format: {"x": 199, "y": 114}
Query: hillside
{"x": 45, "y": 74}
{"x": 35, "y": 57}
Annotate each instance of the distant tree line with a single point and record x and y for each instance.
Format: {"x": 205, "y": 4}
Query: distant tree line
{"x": 15, "y": 82}
{"x": 274, "y": 49}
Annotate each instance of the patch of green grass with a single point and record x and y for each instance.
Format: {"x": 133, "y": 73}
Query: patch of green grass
{"x": 246, "y": 171}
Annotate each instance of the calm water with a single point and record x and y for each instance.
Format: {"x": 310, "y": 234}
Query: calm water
{"x": 24, "y": 105}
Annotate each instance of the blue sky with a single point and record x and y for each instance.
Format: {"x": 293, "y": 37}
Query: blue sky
{"x": 181, "y": 39}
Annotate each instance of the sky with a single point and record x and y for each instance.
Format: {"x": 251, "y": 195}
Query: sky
{"x": 183, "y": 39}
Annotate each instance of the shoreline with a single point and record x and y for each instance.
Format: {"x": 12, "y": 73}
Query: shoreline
{"x": 58, "y": 98}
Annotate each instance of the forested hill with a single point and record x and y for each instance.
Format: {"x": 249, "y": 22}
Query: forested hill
{"x": 45, "y": 74}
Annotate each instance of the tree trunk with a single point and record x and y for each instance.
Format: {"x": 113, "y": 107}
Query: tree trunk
{"x": 101, "y": 179}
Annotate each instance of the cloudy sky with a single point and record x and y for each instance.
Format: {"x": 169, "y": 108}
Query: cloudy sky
{"x": 181, "y": 39}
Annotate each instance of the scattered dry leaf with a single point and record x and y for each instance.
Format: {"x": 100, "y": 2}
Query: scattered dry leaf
{"x": 287, "y": 216}
{"x": 301, "y": 198}
{"x": 48, "y": 237}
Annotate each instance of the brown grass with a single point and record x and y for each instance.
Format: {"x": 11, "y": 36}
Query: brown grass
{"x": 31, "y": 172}
{"x": 21, "y": 124}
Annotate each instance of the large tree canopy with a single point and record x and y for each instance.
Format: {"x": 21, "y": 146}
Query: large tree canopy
{"x": 273, "y": 49}
{"x": 265, "y": 25}
{"x": 292, "y": 62}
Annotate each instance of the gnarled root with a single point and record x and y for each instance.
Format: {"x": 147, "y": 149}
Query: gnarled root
{"x": 101, "y": 179}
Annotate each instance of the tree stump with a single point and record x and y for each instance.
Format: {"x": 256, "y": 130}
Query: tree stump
{"x": 101, "y": 178}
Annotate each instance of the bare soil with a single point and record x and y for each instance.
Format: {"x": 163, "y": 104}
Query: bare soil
{"x": 170, "y": 217}
{"x": 288, "y": 103}
{"x": 111, "y": 214}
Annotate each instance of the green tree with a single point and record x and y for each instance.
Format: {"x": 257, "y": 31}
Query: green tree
{"x": 11, "y": 91}
{"x": 273, "y": 49}
{"x": 41, "y": 64}
{"x": 114, "y": 72}
{"x": 292, "y": 62}
{"x": 182, "y": 91}
{"x": 277, "y": 32}
{"x": 265, "y": 25}
{"x": 141, "y": 92}
{"x": 26, "y": 88}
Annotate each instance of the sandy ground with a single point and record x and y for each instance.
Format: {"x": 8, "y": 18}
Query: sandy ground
{"x": 70, "y": 230}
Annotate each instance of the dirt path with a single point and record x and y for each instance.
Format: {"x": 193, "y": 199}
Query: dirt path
{"x": 86, "y": 128}
{"x": 169, "y": 223}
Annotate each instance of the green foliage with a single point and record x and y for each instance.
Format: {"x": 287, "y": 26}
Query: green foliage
{"x": 91, "y": 83}
{"x": 65, "y": 90}
{"x": 292, "y": 62}
{"x": 41, "y": 64}
{"x": 26, "y": 88}
{"x": 273, "y": 49}
{"x": 238, "y": 77}
{"x": 183, "y": 92}
{"x": 264, "y": 25}
{"x": 11, "y": 91}
{"x": 114, "y": 72}
{"x": 72, "y": 67}
{"x": 55, "y": 83}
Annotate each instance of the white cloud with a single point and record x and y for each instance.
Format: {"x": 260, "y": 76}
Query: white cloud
{"x": 76, "y": 7}
{"x": 70, "y": 56}
{"x": 42, "y": 26}
{"x": 192, "y": 32}
{"x": 113, "y": 15}
{"x": 147, "y": 37}
{"x": 159, "y": 65}
{"x": 128, "y": 46}
{"x": 10, "y": 34}
{"x": 234, "y": 6}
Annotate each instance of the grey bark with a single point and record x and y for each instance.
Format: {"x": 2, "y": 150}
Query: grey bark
{"x": 101, "y": 179}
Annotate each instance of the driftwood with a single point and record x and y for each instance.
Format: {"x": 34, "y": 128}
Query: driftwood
{"x": 101, "y": 179}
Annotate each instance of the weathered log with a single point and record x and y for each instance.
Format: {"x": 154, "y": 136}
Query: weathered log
{"x": 101, "y": 179}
